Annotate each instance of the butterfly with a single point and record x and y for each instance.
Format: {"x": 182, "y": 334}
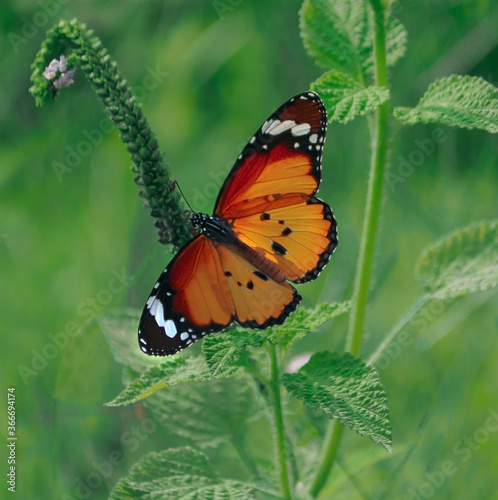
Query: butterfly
{"x": 268, "y": 228}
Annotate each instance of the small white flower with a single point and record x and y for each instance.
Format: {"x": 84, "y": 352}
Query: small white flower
{"x": 56, "y": 66}
{"x": 51, "y": 69}
{"x": 65, "y": 79}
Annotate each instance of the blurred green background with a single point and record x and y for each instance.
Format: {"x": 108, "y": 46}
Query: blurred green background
{"x": 208, "y": 73}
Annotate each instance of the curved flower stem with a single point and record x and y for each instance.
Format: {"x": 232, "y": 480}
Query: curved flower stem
{"x": 369, "y": 235}
{"x": 279, "y": 430}
{"x": 73, "y": 40}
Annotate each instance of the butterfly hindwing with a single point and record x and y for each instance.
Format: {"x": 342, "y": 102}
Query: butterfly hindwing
{"x": 203, "y": 290}
{"x": 190, "y": 300}
{"x": 299, "y": 238}
{"x": 259, "y": 300}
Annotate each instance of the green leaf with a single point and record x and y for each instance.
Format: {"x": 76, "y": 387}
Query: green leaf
{"x": 345, "y": 388}
{"x": 173, "y": 371}
{"x": 459, "y": 101}
{"x": 178, "y": 473}
{"x": 338, "y": 34}
{"x": 345, "y": 98}
{"x": 227, "y": 352}
{"x": 396, "y": 40}
{"x": 205, "y": 414}
{"x": 302, "y": 322}
{"x": 462, "y": 262}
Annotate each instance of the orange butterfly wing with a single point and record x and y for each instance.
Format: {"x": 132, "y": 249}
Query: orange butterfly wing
{"x": 203, "y": 290}
{"x": 269, "y": 195}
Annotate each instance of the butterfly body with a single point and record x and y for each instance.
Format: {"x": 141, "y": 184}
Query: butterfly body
{"x": 219, "y": 231}
{"x": 268, "y": 228}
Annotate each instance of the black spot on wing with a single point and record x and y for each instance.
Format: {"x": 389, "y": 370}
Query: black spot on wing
{"x": 260, "y": 275}
{"x": 278, "y": 248}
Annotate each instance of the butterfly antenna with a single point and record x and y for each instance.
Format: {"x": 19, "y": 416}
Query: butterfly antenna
{"x": 175, "y": 184}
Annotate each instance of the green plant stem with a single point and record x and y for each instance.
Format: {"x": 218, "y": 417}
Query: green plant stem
{"x": 374, "y": 195}
{"x": 333, "y": 440}
{"x": 369, "y": 235}
{"x": 279, "y": 431}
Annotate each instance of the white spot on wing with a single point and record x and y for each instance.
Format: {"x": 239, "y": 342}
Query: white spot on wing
{"x": 301, "y": 129}
{"x": 313, "y": 138}
{"x": 170, "y": 328}
{"x": 158, "y": 312}
{"x": 277, "y": 127}
{"x": 184, "y": 336}
{"x": 265, "y": 125}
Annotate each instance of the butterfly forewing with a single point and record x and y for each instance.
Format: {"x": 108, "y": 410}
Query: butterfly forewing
{"x": 283, "y": 157}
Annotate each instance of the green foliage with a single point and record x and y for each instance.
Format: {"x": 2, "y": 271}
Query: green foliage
{"x": 345, "y": 388}
{"x": 178, "y": 473}
{"x": 304, "y": 321}
{"x": 169, "y": 373}
{"x": 338, "y": 34}
{"x": 216, "y": 401}
{"x": 227, "y": 352}
{"x": 345, "y": 98}
{"x": 458, "y": 101}
{"x": 462, "y": 262}
{"x": 203, "y": 414}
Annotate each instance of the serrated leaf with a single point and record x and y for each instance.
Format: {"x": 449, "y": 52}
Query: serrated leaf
{"x": 173, "y": 371}
{"x": 345, "y": 388}
{"x": 396, "y": 40}
{"x": 178, "y": 473}
{"x": 206, "y": 413}
{"x": 338, "y": 34}
{"x": 303, "y": 321}
{"x": 458, "y": 101}
{"x": 227, "y": 352}
{"x": 462, "y": 262}
{"x": 345, "y": 98}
